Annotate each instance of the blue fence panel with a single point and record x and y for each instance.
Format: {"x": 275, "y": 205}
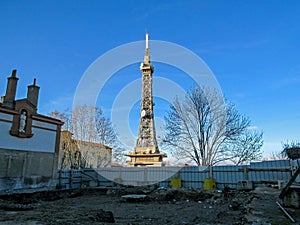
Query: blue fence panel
{"x": 192, "y": 177}
{"x": 269, "y": 171}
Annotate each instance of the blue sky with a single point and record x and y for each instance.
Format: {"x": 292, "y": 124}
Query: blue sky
{"x": 252, "y": 47}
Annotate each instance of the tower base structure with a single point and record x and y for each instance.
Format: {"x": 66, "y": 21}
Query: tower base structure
{"x": 145, "y": 156}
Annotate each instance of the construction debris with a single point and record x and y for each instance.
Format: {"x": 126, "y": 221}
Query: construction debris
{"x": 144, "y": 206}
{"x": 133, "y": 198}
{"x": 285, "y": 212}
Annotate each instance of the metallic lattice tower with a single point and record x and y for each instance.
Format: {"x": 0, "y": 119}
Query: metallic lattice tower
{"x": 146, "y": 151}
{"x": 146, "y": 134}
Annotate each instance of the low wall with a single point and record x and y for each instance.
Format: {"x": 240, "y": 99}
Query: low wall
{"x": 26, "y": 169}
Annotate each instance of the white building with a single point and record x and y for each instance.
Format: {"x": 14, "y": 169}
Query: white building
{"x": 29, "y": 142}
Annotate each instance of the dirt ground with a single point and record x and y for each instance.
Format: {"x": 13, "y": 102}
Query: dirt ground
{"x": 141, "y": 206}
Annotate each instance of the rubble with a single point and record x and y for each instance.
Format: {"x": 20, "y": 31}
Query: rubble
{"x": 145, "y": 205}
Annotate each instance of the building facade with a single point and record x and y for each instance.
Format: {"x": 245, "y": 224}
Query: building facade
{"x": 29, "y": 141}
{"x": 76, "y": 154}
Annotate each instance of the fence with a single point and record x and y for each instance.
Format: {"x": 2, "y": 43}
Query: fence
{"x": 258, "y": 174}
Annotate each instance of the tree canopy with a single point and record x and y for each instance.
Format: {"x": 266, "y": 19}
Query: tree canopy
{"x": 205, "y": 132}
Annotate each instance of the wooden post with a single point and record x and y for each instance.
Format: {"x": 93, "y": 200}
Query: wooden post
{"x": 210, "y": 171}
{"x": 287, "y": 187}
{"x": 71, "y": 178}
{"x": 246, "y": 173}
{"x": 8, "y": 165}
{"x": 285, "y": 212}
{"x": 81, "y": 178}
{"x": 60, "y": 178}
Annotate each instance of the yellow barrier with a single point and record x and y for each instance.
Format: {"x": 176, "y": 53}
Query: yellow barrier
{"x": 209, "y": 184}
{"x": 175, "y": 182}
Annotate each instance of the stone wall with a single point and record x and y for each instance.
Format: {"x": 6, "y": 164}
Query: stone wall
{"x": 26, "y": 169}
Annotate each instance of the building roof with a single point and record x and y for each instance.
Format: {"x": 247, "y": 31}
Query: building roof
{"x": 93, "y": 144}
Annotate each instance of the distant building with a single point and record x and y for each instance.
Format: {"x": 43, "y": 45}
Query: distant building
{"x": 29, "y": 142}
{"x": 75, "y": 154}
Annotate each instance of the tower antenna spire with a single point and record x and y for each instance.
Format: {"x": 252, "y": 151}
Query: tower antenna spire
{"x": 147, "y": 51}
{"x": 147, "y": 40}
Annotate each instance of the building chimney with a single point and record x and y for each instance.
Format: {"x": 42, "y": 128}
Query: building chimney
{"x": 9, "y": 100}
{"x": 33, "y": 93}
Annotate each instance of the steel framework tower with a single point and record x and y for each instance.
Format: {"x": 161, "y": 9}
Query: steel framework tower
{"x": 146, "y": 151}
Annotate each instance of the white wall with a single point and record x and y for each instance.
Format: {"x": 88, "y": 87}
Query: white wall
{"x": 4, "y": 116}
{"x": 44, "y": 125}
{"x": 43, "y": 140}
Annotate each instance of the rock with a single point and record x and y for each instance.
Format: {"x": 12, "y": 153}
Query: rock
{"x": 174, "y": 194}
{"x": 105, "y": 216}
{"x": 234, "y": 205}
{"x": 134, "y": 198}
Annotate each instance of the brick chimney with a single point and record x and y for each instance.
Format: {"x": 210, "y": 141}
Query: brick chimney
{"x": 33, "y": 93}
{"x": 9, "y": 100}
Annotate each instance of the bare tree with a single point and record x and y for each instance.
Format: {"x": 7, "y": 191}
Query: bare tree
{"x": 83, "y": 123}
{"x": 205, "y": 132}
{"x": 89, "y": 126}
{"x": 245, "y": 148}
{"x": 65, "y": 117}
{"x": 291, "y": 149}
{"x": 277, "y": 155}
